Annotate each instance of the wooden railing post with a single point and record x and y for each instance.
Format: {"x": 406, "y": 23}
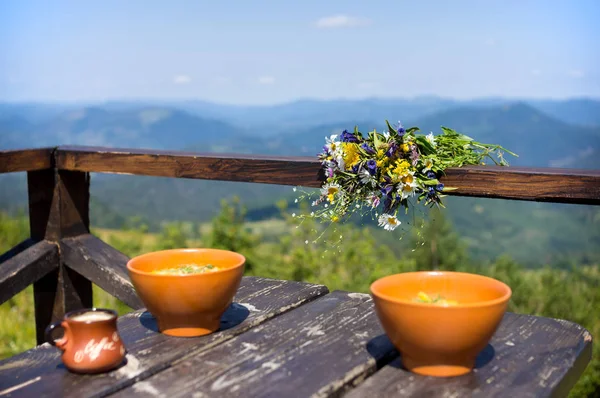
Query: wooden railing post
{"x": 58, "y": 208}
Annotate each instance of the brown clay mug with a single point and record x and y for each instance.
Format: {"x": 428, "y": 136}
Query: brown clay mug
{"x": 91, "y": 341}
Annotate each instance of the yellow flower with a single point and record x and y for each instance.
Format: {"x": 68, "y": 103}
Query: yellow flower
{"x": 330, "y": 197}
{"x": 351, "y": 154}
{"x": 335, "y": 219}
{"x": 401, "y": 167}
{"x": 407, "y": 179}
{"x": 405, "y": 147}
{"x": 382, "y": 160}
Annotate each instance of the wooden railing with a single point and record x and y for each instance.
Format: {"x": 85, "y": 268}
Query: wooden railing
{"x": 62, "y": 259}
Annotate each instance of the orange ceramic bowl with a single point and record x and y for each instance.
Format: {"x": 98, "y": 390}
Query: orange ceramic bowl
{"x": 436, "y": 340}
{"x": 187, "y": 305}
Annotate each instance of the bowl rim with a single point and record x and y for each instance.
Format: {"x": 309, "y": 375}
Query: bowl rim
{"x": 130, "y": 267}
{"x": 479, "y": 304}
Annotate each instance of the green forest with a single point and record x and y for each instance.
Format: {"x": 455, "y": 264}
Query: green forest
{"x": 278, "y": 249}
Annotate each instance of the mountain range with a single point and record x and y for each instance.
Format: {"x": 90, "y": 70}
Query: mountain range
{"x": 543, "y": 134}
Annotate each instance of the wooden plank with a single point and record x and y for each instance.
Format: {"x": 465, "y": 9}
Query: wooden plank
{"x": 44, "y": 219}
{"x": 58, "y": 208}
{"x": 206, "y": 166}
{"x": 74, "y": 190}
{"x": 102, "y": 264}
{"x": 26, "y": 267}
{"x": 39, "y": 372}
{"x": 26, "y": 160}
{"x": 317, "y": 350}
{"x": 522, "y": 183}
{"x": 19, "y": 248}
{"x": 519, "y": 183}
{"x": 58, "y": 203}
{"x": 528, "y": 357}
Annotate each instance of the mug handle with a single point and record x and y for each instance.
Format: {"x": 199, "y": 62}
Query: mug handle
{"x": 48, "y": 334}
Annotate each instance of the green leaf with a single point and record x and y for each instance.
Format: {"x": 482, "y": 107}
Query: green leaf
{"x": 390, "y": 128}
{"x": 376, "y": 140}
{"x": 424, "y": 144}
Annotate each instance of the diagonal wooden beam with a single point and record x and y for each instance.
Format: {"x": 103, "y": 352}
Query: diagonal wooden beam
{"x": 102, "y": 264}
{"x": 22, "y": 268}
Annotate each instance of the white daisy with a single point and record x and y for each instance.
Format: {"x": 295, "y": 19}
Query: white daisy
{"x": 332, "y": 144}
{"x": 428, "y": 164}
{"x": 330, "y": 191}
{"x": 429, "y": 137}
{"x": 408, "y": 185}
{"x": 388, "y": 222}
{"x": 366, "y": 177}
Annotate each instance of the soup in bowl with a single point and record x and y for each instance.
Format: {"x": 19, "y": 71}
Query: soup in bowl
{"x": 187, "y": 290}
{"x": 440, "y": 321}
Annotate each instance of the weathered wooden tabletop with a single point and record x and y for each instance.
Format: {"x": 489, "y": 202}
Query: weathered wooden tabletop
{"x": 291, "y": 339}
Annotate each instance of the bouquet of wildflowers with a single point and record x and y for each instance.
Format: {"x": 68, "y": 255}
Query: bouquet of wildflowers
{"x": 384, "y": 171}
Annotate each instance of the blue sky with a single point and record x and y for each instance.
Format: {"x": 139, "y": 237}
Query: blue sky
{"x": 261, "y": 52}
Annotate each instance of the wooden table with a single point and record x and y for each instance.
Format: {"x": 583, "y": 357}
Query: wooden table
{"x": 291, "y": 339}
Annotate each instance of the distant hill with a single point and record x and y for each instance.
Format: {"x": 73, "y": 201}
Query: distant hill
{"x": 538, "y": 139}
{"x": 162, "y": 128}
{"x": 300, "y": 128}
{"x": 583, "y": 111}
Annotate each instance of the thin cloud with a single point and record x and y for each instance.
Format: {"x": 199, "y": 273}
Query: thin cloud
{"x": 182, "y": 79}
{"x": 342, "y": 21}
{"x": 266, "y": 80}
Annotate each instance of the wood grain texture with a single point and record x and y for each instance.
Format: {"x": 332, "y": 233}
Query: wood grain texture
{"x": 518, "y": 183}
{"x": 26, "y": 266}
{"x": 206, "y": 166}
{"x": 529, "y": 357}
{"x": 101, "y": 264}
{"x": 39, "y": 372}
{"x": 26, "y": 160}
{"x": 58, "y": 208}
{"x": 317, "y": 350}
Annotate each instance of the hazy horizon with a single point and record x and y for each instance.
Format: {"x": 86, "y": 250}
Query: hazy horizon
{"x": 298, "y": 100}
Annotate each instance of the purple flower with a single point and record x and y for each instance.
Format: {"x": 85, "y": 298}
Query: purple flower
{"x": 386, "y": 189}
{"x": 355, "y": 169}
{"x": 387, "y": 204}
{"x": 439, "y": 187}
{"x": 400, "y": 129}
{"x": 414, "y": 155}
{"x": 372, "y": 167}
{"x": 348, "y": 137}
{"x": 375, "y": 201}
{"x": 431, "y": 175}
{"x": 367, "y": 148}
{"x": 329, "y": 172}
{"x": 392, "y": 149}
